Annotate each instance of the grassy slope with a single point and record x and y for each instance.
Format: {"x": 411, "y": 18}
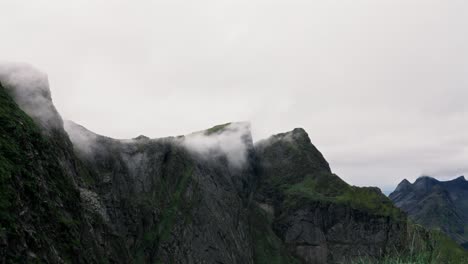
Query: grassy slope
{"x": 328, "y": 187}
{"x": 216, "y": 129}
{"x": 295, "y": 182}
{"x": 21, "y": 142}
{"x": 425, "y": 247}
{"x": 268, "y": 248}
{"x": 175, "y": 205}
{"x": 31, "y": 180}
{"x": 297, "y": 172}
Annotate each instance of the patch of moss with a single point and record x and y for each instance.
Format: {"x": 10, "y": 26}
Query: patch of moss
{"x": 168, "y": 217}
{"x": 175, "y": 205}
{"x": 216, "y": 129}
{"x": 447, "y": 250}
{"x": 15, "y": 127}
{"x": 423, "y": 247}
{"x": 268, "y": 248}
{"x": 329, "y": 187}
{"x": 33, "y": 184}
{"x": 286, "y": 159}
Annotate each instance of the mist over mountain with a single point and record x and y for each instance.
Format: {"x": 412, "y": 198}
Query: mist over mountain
{"x": 69, "y": 195}
{"x": 379, "y": 86}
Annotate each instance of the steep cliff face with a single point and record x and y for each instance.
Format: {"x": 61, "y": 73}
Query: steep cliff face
{"x": 207, "y": 197}
{"x": 320, "y": 218}
{"x": 169, "y": 203}
{"x": 41, "y": 216}
{"x": 436, "y": 205}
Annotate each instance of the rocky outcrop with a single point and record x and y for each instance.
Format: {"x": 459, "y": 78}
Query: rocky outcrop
{"x": 172, "y": 205}
{"x": 331, "y": 233}
{"x": 42, "y": 219}
{"x": 30, "y": 90}
{"x": 207, "y": 197}
{"x": 436, "y": 204}
{"x": 311, "y": 215}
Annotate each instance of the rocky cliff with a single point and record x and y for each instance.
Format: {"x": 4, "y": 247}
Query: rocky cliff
{"x": 319, "y": 217}
{"x": 436, "y": 204}
{"x": 208, "y": 197}
{"x": 42, "y": 217}
{"x": 168, "y": 202}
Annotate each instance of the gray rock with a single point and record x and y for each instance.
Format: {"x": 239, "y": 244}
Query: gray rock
{"x": 441, "y": 205}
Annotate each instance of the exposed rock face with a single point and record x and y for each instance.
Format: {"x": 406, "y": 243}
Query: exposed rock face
{"x": 436, "y": 204}
{"x": 320, "y": 229}
{"x": 170, "y": 205}
{"x": 330, "y": 233}
{"x": 42, "y": 219}
{"x": 208, "y": 197}
{"x": 30, "y": 89}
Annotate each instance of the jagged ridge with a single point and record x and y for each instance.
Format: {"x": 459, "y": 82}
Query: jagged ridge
{"x": 209, "y": 197}
{"x": 436, "y": 204}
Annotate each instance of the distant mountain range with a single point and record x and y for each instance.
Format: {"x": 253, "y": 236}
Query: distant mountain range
{"x": 436, "y": 204}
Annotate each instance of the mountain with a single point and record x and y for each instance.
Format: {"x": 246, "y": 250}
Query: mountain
{"x": 42, "y": 217}
{"x": 436, "y": 204}
{"x": 68, "y": 195}
{"x": 317, "y": 215}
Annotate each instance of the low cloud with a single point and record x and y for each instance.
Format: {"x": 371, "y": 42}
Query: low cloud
{"x": 381, "y": 88}
{"x": 232, "y": 141}
{"x": 83, "y": 140}
{"x": 29, "y": 87}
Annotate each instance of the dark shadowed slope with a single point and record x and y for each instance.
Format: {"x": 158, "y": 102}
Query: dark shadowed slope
{"x": 41, "y": 215}
{"x": 171, "y": 203}
{"x": 321, "y": 218}
{"x": 436, "y": 204}
{"x": 207, "y": 197}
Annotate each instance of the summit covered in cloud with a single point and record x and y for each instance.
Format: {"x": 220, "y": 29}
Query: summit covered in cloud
{"x": 30, "y": 88}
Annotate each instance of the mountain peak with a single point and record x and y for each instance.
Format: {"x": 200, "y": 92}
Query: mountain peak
{"x": 231, "y": 140}
{"x": 403, "y": 185}
{"x": 426, "y": 179}
{"x": 425, "y": 183}
{"x": 296, "y": 136}
{"x": 460, "y": 178}
{"x": 299, "y": 130}
{"x": 405, "y": 182}
{"x": 141, "y": 137}
{"x": 29, "y": 88}
{"x": 231, "y": 126}
{"x": 435, "y": 204}
{"x": 294, "y": 146}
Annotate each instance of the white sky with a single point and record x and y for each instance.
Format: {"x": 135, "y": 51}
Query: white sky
{"x": 380, "y": 86}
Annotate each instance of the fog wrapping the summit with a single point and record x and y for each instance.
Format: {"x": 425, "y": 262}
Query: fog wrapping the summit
{"x": 30, "y": 90}
{"x": 82, "y": 139}
{"x": 232, "y": 141}
{"x": 380, "y": 86}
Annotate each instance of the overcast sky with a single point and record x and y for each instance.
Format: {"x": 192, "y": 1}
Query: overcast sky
{"x": 380, "y": 86}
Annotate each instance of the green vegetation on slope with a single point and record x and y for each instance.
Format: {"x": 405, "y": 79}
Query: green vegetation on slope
{"x": 216, "y": 129}
{"x": 296, "y": 172}
{"x": 268, "y": 248}
{"x": 15, "y": 129}
{"x": 172, "y": 205}
{"x": 328, "y": 187}
{"x": 424, "y": 247}
{"x": 34, "y": 189}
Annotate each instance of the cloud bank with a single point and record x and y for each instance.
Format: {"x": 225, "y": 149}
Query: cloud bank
{"x": 83, "y": 139}
{"x": 29, "y": 88}
{"x": 232, "y": 141}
